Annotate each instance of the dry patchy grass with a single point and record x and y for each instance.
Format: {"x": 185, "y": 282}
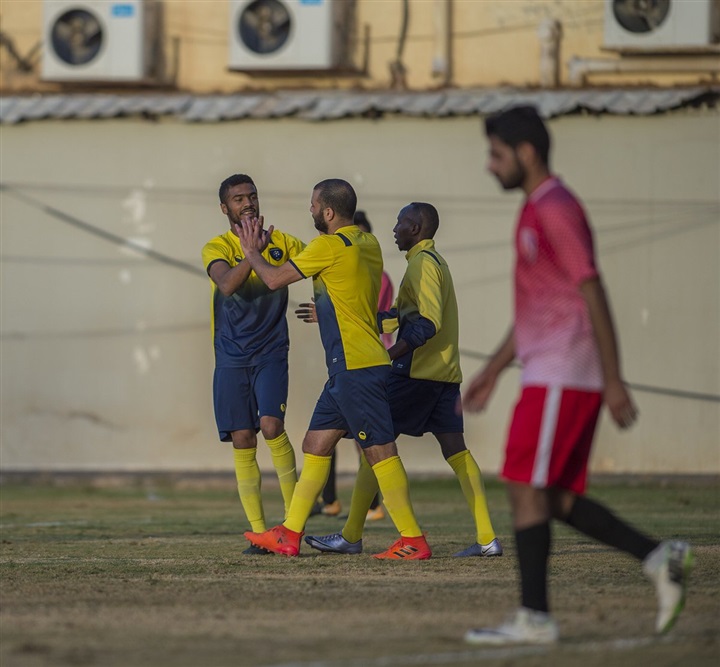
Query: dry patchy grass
{"x": 149, "y": 573}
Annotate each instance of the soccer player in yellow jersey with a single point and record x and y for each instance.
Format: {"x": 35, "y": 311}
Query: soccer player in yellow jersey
{"x": 424, "y": 386}
{"x": 250, "y": 337}
{"x": 346, "y": 267}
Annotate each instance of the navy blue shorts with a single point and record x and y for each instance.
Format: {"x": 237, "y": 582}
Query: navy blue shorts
{"x": 423, "y": 406}
{"x": 242, "y": 395}
{"x": 356, "y": 401}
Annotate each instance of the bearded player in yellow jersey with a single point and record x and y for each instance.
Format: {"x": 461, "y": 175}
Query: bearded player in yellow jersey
{"x": 346, "y": 267}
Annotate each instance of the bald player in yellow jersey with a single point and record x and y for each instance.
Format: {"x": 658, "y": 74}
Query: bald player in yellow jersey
{"x": 424, "y": 385}
{"x": 346, "y": 267}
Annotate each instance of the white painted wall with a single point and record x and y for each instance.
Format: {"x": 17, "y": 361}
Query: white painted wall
{"x": 106, "y": 355}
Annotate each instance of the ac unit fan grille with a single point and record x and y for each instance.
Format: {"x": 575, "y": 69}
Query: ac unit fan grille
{"x": 265, "y": 26}
{"x": 641, "y": 16}
{"x": 77, "y": 37}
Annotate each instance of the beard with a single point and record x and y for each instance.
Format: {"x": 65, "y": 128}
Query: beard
{"x": 320, "y": 223}
{"x": 246, "y": 214}
{"x": 515, "y": 178}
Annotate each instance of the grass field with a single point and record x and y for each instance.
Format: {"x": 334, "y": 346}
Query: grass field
{"x": 148, "y": 572}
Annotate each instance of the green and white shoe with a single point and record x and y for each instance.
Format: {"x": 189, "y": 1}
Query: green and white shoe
{"x": 668, "y": 566}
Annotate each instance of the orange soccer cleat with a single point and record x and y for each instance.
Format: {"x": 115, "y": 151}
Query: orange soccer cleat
{"x": 279, "y": 540}
{"x": 407, "y": 548}
{"x": 332, "y": 509}
{"x": 376, "y": 514}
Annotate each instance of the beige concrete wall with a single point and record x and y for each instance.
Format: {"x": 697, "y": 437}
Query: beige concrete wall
{"x": 106, "y": 355}
{"x": 494, "y": 42}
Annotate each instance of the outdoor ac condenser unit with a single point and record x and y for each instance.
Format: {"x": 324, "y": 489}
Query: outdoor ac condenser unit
{"x": 287, "y": 35}
{"x": 95, "y": 40}
{"x": 661, "y": 25}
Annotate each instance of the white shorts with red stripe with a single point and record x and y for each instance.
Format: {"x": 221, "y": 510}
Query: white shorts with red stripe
{"x": 550, "y": 437}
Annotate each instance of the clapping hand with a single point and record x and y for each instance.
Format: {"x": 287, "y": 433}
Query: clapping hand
{"x": 253, "y": 238}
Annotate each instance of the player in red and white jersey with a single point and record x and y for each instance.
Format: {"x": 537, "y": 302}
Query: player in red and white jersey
{"x": 564, "y": 337}
{"x": 554, "y": 339}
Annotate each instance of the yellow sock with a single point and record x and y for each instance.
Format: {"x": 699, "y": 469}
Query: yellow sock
{"x": 393, "y": 482}
{"x": 310, "y": 485}
{"x": 468, "y": 474}
{"x": 283, "y": 457}
{"x": 248, "y": 477}
{"x": 366, "y": 486}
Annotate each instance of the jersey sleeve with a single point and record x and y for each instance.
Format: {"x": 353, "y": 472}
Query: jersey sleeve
{"x": 388, "y": 321}
{"x": 213, "y": 252}
{"x": 423, "y": 282}
{"x": 569, "y": 235}
{"x": 316, "y": 256}
{"x": 428, "y": 291}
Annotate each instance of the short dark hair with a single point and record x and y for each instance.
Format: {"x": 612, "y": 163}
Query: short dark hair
{"x": 231, "y": 182}
{"x": 361, "y": 219}
{"x": 520, "y": 124}
{"x": 428, "y": 217}
{"x": 338, "y": 195}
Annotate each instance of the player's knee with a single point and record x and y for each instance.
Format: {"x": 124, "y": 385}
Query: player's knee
{"x": 271, "y": 427}
{"x": 245, "y": 439}
{"x": 561, "y": 502}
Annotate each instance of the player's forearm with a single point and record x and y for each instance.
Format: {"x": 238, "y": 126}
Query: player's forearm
{"x": 266, "y": 272}
{"x": 603, "y": 328}
{"x": 274, "y": 277}
{"x": 399, "y": 349}
{"x": 232, "y": 279}
{"x": 417, "y": 333}
{"x": 503, "y": 356}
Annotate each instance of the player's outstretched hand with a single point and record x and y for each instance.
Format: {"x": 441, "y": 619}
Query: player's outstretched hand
{"x": 620, "y": 403}
{"x": 306, "y": 312}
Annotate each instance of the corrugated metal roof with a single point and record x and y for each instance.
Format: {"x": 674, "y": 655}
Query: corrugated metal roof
{"x": 333, "y": 105}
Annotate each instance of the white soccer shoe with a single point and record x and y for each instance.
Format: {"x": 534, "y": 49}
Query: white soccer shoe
{"x": 526, "y": 626}
{"x": 668, "y": 566}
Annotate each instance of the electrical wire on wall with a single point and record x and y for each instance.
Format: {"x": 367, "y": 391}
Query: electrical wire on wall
{"x": 187, "y": 267}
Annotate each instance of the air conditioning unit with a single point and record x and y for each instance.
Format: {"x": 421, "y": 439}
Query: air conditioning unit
{"x": 661, "y": 25}
{"x": 97, "y": 40}
{"x": 288, "y": 35}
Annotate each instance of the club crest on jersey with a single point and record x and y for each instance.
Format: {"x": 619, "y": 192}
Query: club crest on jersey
{"x": 528, "y": 244}
{"x": 276, "y": 253}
